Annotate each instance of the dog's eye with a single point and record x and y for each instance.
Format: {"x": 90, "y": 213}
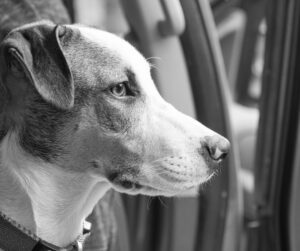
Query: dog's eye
{"x": 120, "y": 90}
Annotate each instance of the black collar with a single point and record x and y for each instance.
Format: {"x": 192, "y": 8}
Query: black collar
{"x": 14, "y": 237}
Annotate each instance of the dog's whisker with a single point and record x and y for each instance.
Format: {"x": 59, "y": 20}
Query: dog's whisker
{"x": 151, "y": 64}
{"x": 156, "y": 58}
{"x": 162, "y": 202}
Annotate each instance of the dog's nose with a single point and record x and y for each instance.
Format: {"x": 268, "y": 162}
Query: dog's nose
{"x": 216, "y": 146}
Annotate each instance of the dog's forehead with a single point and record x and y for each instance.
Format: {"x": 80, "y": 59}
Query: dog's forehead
{"x": 116, "y": 50}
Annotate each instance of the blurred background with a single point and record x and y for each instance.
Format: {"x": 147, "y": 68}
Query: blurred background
{"x": 233, "y": 65}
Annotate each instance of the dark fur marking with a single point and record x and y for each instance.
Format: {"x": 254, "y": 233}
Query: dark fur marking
{"x": 44, "y": 62}
{"x": 40, "y": 134}
{"x": 132, "y": 82}
{"x": 111, "y": 119}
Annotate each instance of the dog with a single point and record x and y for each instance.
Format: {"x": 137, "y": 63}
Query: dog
{"x": 80, "y": 114}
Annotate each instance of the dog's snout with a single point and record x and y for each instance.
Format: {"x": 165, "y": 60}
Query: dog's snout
{"x": 216, "y": 146}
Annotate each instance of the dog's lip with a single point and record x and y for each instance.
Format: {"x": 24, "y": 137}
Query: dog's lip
{"x": 134, "y": 186}
{"x": 162, "y": 191}
{"x": 128, "y": 185}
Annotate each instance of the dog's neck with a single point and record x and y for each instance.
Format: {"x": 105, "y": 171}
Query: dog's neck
{"x": 46, "y": 200}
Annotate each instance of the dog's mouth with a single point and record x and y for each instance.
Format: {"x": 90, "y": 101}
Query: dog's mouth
{"x": 127, "y": 184}
{"x": 134, "y": 188}
{"x": 131, "y": 187}
{"x": 157, "y": 186}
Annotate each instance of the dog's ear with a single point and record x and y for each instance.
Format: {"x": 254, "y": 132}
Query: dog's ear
{"x": 36, "y": 53}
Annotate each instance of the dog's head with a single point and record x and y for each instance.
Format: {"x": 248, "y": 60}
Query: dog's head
{"x": 84, "y": 100}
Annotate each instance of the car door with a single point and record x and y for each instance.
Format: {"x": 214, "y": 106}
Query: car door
{"x": 275, "y": 224}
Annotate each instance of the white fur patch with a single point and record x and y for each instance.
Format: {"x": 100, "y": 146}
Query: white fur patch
{"x": 59, "y": 199}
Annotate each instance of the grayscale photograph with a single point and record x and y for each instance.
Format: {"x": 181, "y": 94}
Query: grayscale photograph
{"x": 149, "y": 125}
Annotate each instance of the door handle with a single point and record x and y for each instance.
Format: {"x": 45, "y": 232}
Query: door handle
{"x": 174, "y": 23}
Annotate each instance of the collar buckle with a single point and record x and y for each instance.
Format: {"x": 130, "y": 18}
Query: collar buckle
{"x": 81, "y": 239}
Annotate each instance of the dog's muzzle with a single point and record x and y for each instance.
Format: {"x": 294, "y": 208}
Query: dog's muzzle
{"x": 179, "y": 153}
